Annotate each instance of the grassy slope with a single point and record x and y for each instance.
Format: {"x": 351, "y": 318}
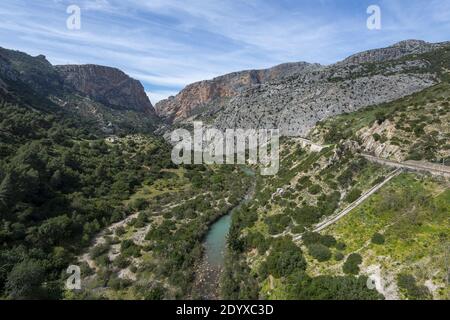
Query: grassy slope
{"x": 412, "y": 214}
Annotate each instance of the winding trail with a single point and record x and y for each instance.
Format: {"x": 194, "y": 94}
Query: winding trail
{"x": 100, "y": 238}
{"x": 417, "y": 166}
{"x": 434, "y": 169}
{"x": 336, "y": 217}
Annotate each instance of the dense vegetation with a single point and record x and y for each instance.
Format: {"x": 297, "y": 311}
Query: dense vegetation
{"x": 302, "y": 287}
{"x": 263, "y": 260}
{"x": 60, "y": 183}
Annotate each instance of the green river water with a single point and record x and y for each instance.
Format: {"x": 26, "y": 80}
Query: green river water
{"x": 215, "y": 243}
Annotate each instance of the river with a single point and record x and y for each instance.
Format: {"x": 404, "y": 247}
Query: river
{"x": 208, "y": 272}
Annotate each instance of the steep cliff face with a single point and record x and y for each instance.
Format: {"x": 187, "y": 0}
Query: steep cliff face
{"x": 295, "y": 99}
{"x": 116, "y": 102}
{"x": 210, "y": 95}
{"x": 107, "y": 85}
{"x": 296, "y": 110}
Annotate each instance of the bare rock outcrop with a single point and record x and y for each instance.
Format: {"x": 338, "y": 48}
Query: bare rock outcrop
{"x": 210, "y": 95}
{"x": 380, "y": 148}
{"x": 294, "y": 97}
{"x": 107, "y": 85}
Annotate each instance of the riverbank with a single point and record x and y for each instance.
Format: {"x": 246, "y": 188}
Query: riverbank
{"x": 207, "y": 280}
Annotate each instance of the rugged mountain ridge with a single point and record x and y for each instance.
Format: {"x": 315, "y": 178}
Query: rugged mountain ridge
{"x": 108, "y": 85}
{"x": 36, "y": 73}
{"x": 105, "y": 95}
{"x": 210, "y": 95}
{"x": 294, "y": 101}
{"x": 396, "y": 51}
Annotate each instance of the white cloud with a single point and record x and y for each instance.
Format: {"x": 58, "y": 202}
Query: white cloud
{"x": 171, "y": 43}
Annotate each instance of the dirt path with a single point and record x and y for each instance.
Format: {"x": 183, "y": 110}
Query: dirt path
{"x": 101, "y": 238}
{"x": 434, "y": 169}
{"x": 419, "y": 166}
{"x": 334, "y": 218}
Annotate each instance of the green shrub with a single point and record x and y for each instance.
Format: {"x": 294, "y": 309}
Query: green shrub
{"x": 284, "y": 258}
{"x": 298, "y": 229}
{"x": 141, "y": 220}
{"x": 103, "y": 260}
{"x": 155, "y": 293}
{"x": 120, "y": 231}
{"x": 316, "y": 238}
{"x": 351, "y": 265}
{"x": 340, "y": 246}
{"x": 311, "y": 237}
{"x": 378, "y": 238}
{"x": 118, "y": 284}
{"x": 98, "y": 250}
{"x": 338, "y": 256}
{"x": 408, "y": 284}
{"x": 278, "y": 223}
{"x": 376, "y": 136}
{"x": 345, "y": 178}
{"x": 302, "y": 287}
{"x": 138, "y": 204}
{"x": 353, "y": 195}
{"x": 381, "y": 117}
{"x": 129, "y": 249}
{"x": 315, "y": 189}
{"x": 121, "y": 262}
{"x": 307, "y": 215}
{"x": 25, "y": 279}
{"x": 378, "y": 180}
{"x": 319, "y": 252}
{"x": 257, "y": 240}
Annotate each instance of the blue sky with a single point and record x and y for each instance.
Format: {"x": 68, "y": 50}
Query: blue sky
{"x": 167, "y": 44}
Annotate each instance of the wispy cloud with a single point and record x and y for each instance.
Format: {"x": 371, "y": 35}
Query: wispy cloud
{"x": 169, "y": 43}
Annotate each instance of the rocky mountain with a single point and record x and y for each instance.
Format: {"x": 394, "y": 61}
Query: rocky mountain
{"x": 36, "y": 73}
{"x": 294, "y": 100}
{"x": 396, "y": 51}
{"x": 209, "y": 95}
{"x": 101, "y": 94}
{"x": 108, "y": 85}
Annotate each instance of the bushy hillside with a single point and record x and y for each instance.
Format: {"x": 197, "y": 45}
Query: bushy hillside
{"x": 154, "y": 253}
{"x": 106, "y": 97}
{"x": 402, "y": 236}
{"x": 59, "y": 185}
{"x": 310, "y": 187}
